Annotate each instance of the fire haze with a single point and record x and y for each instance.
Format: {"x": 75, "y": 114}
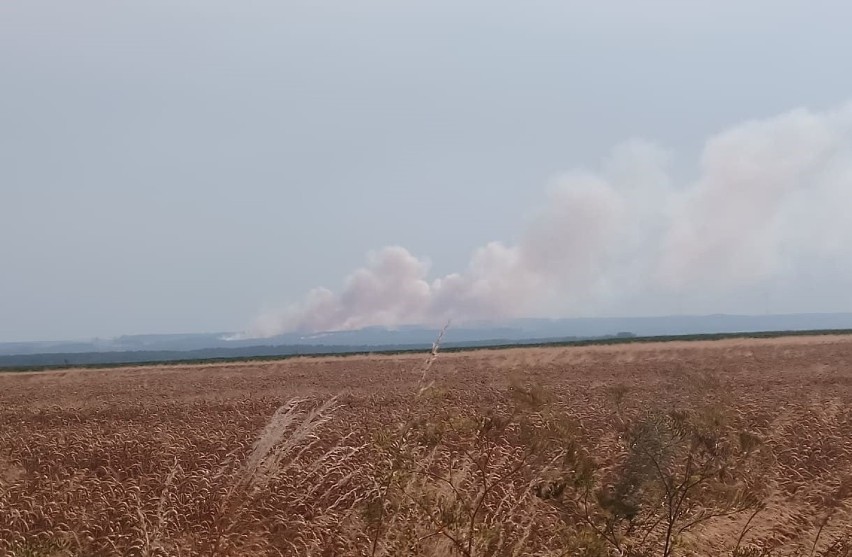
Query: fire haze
{"x": 769, "y": 195}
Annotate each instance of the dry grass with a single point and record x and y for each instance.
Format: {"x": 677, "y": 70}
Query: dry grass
{"x": 555, "y": 451}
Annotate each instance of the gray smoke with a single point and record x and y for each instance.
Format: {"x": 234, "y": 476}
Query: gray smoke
{"x": 770, "y": 195}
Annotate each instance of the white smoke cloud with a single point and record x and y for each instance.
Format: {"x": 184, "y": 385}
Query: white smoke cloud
{"x": 735, "y": 223}
{"x": 770, "y": 195}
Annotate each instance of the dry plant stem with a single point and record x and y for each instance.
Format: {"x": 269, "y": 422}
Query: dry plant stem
{"x": 404, "y": 430}
{"x": 747, "y": 527}
{"x": 822, "y": 524}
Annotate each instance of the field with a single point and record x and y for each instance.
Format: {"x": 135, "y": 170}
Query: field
{"x": 732, "y": 447}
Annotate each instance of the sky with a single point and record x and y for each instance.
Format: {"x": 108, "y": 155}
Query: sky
{"x": 203, "y": 166}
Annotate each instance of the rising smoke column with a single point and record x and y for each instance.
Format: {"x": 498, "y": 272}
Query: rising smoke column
{"x": 741, "y": 221}
{"x": 770, "y": 196}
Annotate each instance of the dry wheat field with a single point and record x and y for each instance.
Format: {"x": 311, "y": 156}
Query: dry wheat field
{"x": 735, "y": 447}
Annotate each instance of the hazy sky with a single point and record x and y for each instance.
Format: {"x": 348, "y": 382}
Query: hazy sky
{"x": 184, "y": 166}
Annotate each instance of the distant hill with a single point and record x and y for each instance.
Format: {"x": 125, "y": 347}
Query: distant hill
{"x": 160, "y": 347}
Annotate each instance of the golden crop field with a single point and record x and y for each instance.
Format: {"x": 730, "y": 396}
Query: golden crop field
{"x": 735, "y": 447}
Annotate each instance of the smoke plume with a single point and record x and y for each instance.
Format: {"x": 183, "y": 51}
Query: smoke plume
{"x": 768, "y": 197}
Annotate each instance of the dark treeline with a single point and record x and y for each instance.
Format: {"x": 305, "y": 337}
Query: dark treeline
{"x": 35, "y": 362}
